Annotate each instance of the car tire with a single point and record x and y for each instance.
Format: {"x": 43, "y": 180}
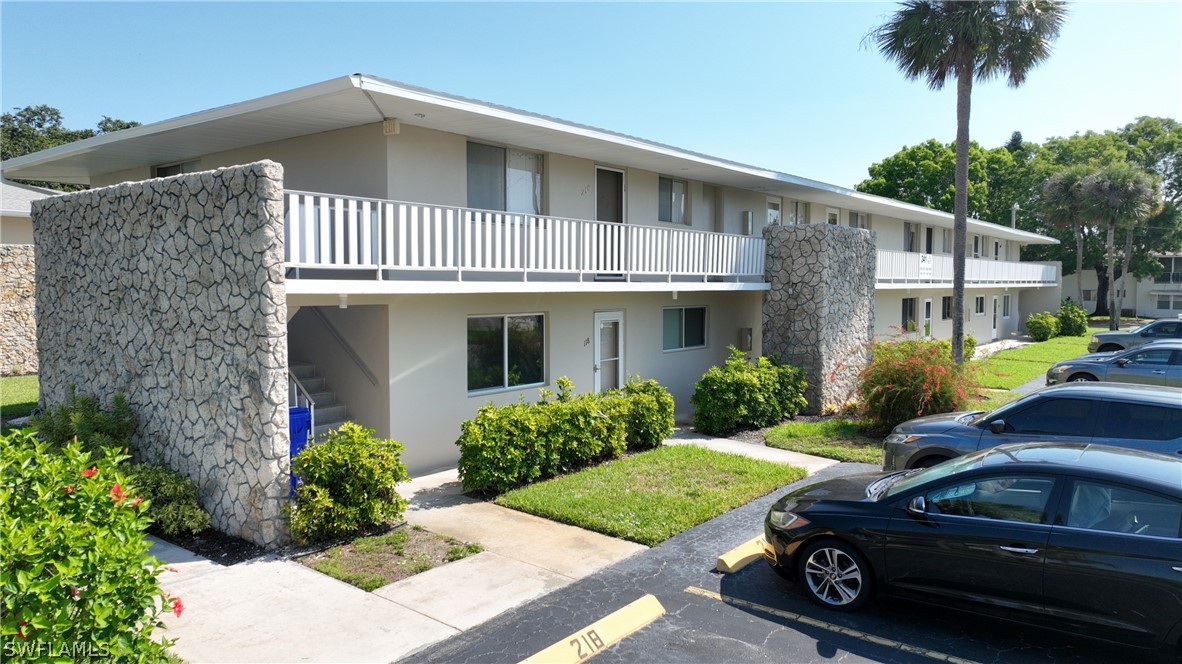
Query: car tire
{"x": 1109, "y": 348}
{"x": 834, "y": 575}
{"x": 928, "y": 462}
{"x": 1082, "y": 378}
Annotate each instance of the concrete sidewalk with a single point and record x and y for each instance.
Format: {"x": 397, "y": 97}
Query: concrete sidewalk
{"x": 273, "y": 609}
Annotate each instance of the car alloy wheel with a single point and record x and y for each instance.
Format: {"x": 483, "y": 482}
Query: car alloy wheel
{"x": 1082, "y": 378}
{"x": 837, "y": 577}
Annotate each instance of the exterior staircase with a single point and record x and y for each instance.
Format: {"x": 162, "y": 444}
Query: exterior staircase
{"x": 329, "y": 413}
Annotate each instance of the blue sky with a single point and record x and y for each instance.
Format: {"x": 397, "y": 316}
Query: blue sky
{"x": 787, "y": 85}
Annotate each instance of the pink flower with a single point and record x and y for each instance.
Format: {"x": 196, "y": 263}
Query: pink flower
{"x": 74, "y": 592}
{"x": 89, "y": 472}
{"x": 117, "y": 493}
{"x": 177, "y": 607}
{"x": 69, "y": 488}
{"x": 136, "y": 502}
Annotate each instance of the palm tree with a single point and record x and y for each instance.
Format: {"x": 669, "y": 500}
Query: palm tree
{"x": 937, "y": 40}
{"x": 1064, "y": 205}
{"x": 1119, "y": 193}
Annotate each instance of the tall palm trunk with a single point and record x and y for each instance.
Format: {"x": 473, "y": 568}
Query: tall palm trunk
{"x": 960, "y": 206}
{"x": 1079, "y": 260}
{"x": 1110, "y": 256}
{"x": 1126, "y": 265}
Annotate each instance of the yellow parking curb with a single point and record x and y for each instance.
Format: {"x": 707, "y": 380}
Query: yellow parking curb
{"x": 606, "y": 631}
{"x": 740, "y": 556}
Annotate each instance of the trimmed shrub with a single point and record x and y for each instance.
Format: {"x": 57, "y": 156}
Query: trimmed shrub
{"x": 171, "y": 498}
{"x": 84, "y": 418}
{"x": 1073, "y": 320}
{"x": 970, "y": 345}
{"x": 650, "y": 413}
{"x": 346, "y": 484}
{"x": 740, "y": 393}
{"x": 76, "y": 570}
{"x": 506, "y": 446}
{"x": 910, "y": 378}
{"x": 1042, "y": 326}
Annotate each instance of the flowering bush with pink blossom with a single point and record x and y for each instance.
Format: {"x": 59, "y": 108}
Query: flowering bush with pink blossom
{"x": 910, "y": 377}
{"x": 75, "y": 578}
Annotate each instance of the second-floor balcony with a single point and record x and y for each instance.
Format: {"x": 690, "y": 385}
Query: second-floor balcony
{"x": 907, "y": 269}
{"x": 337, "y": 237}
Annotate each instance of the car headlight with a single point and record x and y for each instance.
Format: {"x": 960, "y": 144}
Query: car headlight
{"x": 786, "y": 520}
{"x": 1060, "y": 370}
{"x": 897, "y": 438}
{"x": 1095, "y": 340}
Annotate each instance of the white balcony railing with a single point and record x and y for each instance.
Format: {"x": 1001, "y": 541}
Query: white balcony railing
{"x": 911, "y": 268}
{"x": 326, "y": 232}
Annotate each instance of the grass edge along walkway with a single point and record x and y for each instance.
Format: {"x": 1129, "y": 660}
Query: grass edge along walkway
{"x": 653, "y": 495}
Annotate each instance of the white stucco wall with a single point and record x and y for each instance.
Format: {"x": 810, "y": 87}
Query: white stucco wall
{"x": 16, "y": 230}
{"x": 888, "y": 312}
{"x": 427, "y": 349}
{"x": 427, "y": 166}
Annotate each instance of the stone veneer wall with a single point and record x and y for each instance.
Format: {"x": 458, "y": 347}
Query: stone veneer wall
{"x": 819, "y": 313}
{"x": 171, "y": 291}
{"x": 18, "y": 322}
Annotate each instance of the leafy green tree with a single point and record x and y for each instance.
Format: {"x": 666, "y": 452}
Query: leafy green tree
{"x": 1155, "y": 145}
{"x": 1119, "y": 194}
{"x": 1064, "y": 206}
{"x": 35, "y": 128}
{"x": 940, "y": 40}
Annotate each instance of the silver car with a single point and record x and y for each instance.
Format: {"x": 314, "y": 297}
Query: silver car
{"x": 1157, "y": 363}
{"x": 1166, "y": 328}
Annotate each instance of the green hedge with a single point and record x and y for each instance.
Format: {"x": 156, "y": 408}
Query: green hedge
{"x": 1073, "y": 320}
{"x": 172, "y": 500}
{"x": 740, "y": 393}
{"x": 507, "y": 446}
{"x": 346, "y": 484}
{"x": 1042, "y": 326}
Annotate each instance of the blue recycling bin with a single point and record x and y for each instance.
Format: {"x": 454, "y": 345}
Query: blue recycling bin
{"x": 300, "y": 425}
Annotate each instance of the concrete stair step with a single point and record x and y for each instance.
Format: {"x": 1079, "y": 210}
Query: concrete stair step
{"x": 302, "y": 370}
{"x": 323, "y": 399}
{"x": 334, "y": 413}
{"x": 313, "y": 384}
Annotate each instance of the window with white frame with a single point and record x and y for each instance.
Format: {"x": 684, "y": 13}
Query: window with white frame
{"x": 798, "y": 213}
{"x": 996, "y": 250}
{"x": 976, "y": 246}
{"x": 1166, "y": 302}
{"x": 1089, "y": 295}
{"x": 504, "y": 179}
{"x": 506, "y": 351}
{"x": 671, "y": 200}
{"x": 773, "y": 212}
{"x": 908, "y": 317}
{"x": 168, "y": 170}
{"x": 1171, "y": 270}
{"x": 979, "y": 305}
{"x": 1005, "y": 306}
{"x": 859, "y": 220}
{"x": 683, "y": 327}
{"x": 832, "y": 216}
{"x": 909, "y": 236}
{"x": 946, "y": 246}
{"x": 946, "y": 307}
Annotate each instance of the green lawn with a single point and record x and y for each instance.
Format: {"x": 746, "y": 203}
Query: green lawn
{"x": 833, "y": 439}
{"x": 652, "y": 496}
{"x": 1010, "y": 368}
{"x": 18, "y": 395}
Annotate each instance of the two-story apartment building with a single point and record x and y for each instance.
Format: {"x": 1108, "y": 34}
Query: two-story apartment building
{"x": 1156, "y": 297}
{"x": 442, "y": 253}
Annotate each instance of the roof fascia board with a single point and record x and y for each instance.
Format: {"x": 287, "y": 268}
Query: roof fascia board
{"x": 192, "y": 119}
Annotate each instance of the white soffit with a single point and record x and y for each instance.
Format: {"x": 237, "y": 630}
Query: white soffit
{"x": 359, "y": 99}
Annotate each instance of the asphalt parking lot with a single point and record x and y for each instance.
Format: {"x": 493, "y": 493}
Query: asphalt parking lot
{"x": 749, "y": 616}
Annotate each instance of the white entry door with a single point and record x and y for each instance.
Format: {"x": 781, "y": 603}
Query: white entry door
{"x": 927, "y": 317}
{"x": 609, "y": 350}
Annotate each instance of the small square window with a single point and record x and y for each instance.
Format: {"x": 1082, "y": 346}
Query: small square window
{"x": 979, "y": 307}
{"x": 946, "y": 307}
{"x": 1005, "y": 306}
{"x": 683, "y": 327}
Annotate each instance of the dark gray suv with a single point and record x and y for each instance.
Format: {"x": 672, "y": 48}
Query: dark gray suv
{"x": 1137, "y": 416}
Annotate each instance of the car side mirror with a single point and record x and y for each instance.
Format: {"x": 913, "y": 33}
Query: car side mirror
{"x": 1121, "y": 362}
{"x": 1145, "y": 333}
{"x": 997, "y": 426}
{"x": 917, "y": 505}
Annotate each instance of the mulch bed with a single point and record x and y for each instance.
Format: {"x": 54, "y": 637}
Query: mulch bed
{"x": 219, "y": 547}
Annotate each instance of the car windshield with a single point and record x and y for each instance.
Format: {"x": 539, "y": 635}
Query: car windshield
{"x": 939, "y": 471}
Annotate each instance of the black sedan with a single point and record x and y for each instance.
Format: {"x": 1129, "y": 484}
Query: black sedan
{"x": 1080, "y": 537}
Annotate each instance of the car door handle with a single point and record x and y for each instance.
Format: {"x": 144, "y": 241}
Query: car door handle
{"x": 1018, "y": 549}
{"x": 1178, "y": 568}
{"x": 1159, "y": 371}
